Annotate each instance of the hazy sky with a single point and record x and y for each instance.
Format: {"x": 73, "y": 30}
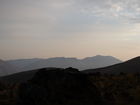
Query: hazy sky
{"x": 70, "y": 28}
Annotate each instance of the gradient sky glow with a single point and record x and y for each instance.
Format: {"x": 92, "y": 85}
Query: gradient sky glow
{"x": 69, "y": 28}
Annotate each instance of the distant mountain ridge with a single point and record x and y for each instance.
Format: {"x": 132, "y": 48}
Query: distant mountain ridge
{"x": 6, "y": 68}
{"x": 21, "y": 63}
{"x": 63, "y": 62}
{"x": 130, "y": 66}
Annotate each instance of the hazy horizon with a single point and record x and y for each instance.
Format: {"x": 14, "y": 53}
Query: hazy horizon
{"x": 69, "y": 28}
{"x": 79, "y": 58}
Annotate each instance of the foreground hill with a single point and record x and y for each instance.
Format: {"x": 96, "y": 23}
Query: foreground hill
{"x": 21, "y": 76}
{"x": 130, "y": 66}
{"x": 57, "y": 86}
{"x": 53, "y": 87}
{"x": 62, "y": 62}
{"x": 6, "y": 68}
{"x": 18, "y": 77}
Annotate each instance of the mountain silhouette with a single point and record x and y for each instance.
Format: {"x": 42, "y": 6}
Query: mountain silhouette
{"x": 28, "y": 67}
{"x": 6, "y": 68}
{"x": 21, "y": 76}
{"x": 21, "y": 63}
{"x": 59, "y": 87}
{"x": 62, "y": 62}
{"x": 130, "y": 66}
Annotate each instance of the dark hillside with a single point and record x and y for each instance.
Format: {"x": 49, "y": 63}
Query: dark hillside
{"x": 130, "y": 66}
{"x": 59, "y": 87}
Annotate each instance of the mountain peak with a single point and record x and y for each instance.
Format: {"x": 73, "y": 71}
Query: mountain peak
{"x": 101, "y": 56}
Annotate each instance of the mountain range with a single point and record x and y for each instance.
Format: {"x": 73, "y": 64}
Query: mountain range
{"x": 69, "y": 86}
{"x": 62, "y": 62}
{"x": 7, "y": 68}
{"x": 130, "y": 66}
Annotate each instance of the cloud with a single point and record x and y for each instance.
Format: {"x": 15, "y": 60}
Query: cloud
{"x": 125, "y": 9}
{"x": 64, "y": 18}
{"x": 106, "y": 8}
{"x": 67, "y": 20}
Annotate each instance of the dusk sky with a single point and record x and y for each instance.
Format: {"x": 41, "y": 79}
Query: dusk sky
{"x": 69, "y": 28}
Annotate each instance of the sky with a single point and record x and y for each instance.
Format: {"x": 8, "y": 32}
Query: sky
{"x": 69, "y": 28}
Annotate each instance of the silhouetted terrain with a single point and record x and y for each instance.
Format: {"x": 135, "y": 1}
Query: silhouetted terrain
{"x": 22, "y": 63}
{"x": 18, "y": 77}
{"x": 53, "y": 87}
{"x": 114, "y": 85}
{"x": 56, "y": 86}
{"x": 130, "y": 66}
{"x": 6, "y": 68}
{"x": 21, "y": 76}
{"x": 62, "y": 62}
